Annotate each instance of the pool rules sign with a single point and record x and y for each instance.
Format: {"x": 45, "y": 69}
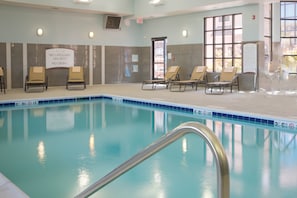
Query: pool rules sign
{"x": 59, "y": 57}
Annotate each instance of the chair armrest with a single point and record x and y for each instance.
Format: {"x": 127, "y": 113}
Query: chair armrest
{"x": 217, "y": 77}
{"x": 235, "y": 78}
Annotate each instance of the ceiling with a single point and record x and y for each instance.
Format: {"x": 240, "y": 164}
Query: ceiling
{"x": 135, "y": 7}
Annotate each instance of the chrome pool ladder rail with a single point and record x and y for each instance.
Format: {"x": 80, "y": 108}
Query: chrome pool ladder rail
{"x": 223, "y": 177}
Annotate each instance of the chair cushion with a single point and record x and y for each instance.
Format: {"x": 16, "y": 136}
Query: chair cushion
{"x": 173, "y": 68}
{"x": 228, "y": 69}
{"x": 1, "y": 72}
{"x": 76, "y": 74}
{"x": 36, "y": 74}
{"x": 200, "y": 69}
{"x": 76, "y": 69}
{"x": 37, "y": 70}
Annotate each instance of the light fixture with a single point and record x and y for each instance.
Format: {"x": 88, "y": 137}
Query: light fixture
{"x": 185, "y": 33}
{"x": 82, "y": 1}
{"x": 39, "y": 31}
{"x": 156, "y": 2}
{"x": 91, "y": 35}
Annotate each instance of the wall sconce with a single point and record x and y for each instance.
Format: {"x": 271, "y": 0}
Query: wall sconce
{"x": 185, "y": 33}
{"x": 91, "y": 35}
{"x": 39, "y": 31}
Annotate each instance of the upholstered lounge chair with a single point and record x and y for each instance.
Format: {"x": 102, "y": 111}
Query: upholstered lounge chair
{"x": 36, "y": 78}
{"x": 197, "y": 76}
{"x": 227, "y": 78}
{"x": 171, "y": 74}
{"x": 2, "y": 80}
{"x": 76, "y": 76}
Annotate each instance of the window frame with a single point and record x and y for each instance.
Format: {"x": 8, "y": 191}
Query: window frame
{"x": 268, "y": 37}
{"x": 288, "y": 54}
{"x": 222, "y": 50}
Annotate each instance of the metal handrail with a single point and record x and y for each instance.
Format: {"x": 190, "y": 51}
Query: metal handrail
{"x": 213, "y": 142}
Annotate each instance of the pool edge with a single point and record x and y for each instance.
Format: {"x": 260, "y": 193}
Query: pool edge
{"x": 272, "y": 121}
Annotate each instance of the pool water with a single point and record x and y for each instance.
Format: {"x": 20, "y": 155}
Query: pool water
{"x": 58, "y": 150}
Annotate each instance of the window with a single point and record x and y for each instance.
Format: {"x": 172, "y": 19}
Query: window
{"x": 268, "y": 31}
{"x": 222, "y": 42}
{"x": 289, "y": 34}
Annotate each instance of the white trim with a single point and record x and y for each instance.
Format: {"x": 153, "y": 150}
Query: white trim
{"x": 91, "y": 71}
{"x": 103, "y": 65}
{"x": 8, "y": 65}
{"x": 25, "y": 62}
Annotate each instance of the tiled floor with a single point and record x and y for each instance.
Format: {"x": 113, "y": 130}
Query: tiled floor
{"x": 282, "y": 105}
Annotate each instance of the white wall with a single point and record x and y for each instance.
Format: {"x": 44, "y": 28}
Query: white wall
{"x": 20, "y": 24}
{"x": 171, "y": 7}
{"x": 172, "y": 26}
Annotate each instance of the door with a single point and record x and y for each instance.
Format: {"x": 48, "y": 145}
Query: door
{"x": 159, "y": 62}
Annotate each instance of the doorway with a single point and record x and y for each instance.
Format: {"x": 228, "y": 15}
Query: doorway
{"x": 159, "y": 51}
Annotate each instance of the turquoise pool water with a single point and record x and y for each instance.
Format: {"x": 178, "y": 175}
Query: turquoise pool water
{"x": 57, "y": 150}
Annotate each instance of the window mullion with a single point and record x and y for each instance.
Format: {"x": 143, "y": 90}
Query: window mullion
{"x": 233, "y": 38}
{"x": 213, "y": 44}
{"x": 226, "y": 38}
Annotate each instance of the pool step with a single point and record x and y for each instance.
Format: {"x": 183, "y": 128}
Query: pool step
{"x": 8, "y": 189}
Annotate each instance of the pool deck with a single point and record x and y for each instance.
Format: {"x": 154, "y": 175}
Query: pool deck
{"x": 9, "y": 190}
{"x": 282, "y": 105}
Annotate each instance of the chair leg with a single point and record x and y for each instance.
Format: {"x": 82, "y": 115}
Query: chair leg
{"x": 46, "y": 83}
{"x": 2, "y": 84}
{"x": 153, "y": 86}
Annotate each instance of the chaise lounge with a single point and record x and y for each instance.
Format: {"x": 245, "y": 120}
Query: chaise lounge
{"x": 197, "y": 76}
{"x": 172, "y": 74}
{"x": 2, "y": 80}
{"x": 36, "y": 78}
{"x": 75, "y": 76}
{"x": 227, "y": 78}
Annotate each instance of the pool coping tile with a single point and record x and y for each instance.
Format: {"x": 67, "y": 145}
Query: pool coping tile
{"x": 8, "y": 189}
{"x": 278, "y": 123}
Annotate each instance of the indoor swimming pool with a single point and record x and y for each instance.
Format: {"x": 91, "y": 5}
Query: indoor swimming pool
{"x": 57, "y": 149}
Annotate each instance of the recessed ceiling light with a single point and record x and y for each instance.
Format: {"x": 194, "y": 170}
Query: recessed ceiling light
{"x": 156, "y": 2}
{"x": 83, "y": 1}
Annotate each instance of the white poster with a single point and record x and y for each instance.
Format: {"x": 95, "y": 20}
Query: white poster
{"x": 59, "y": 57}
{"x": 134, "y": 58}
{"x": 135, "y": 68}
{"x": 250, "y": 60}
